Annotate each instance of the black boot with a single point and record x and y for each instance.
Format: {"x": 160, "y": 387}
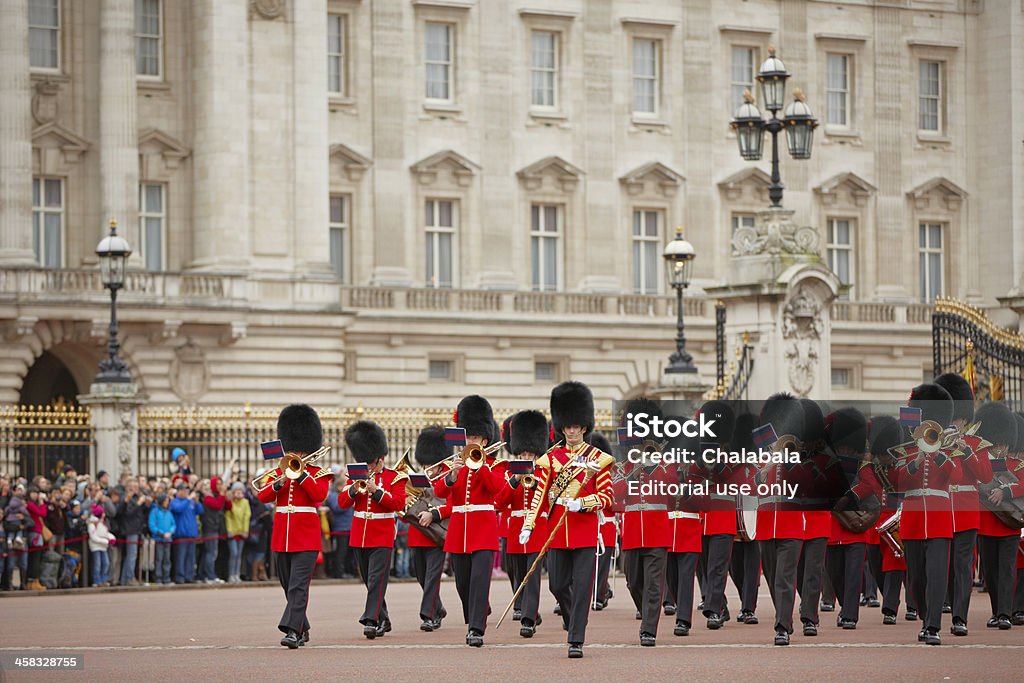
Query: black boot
{"x": 575, "y": 650}
{"x": 474, "y": 638}
{"x": 291, "y": 640}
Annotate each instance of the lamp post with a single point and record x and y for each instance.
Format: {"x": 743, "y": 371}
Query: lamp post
{"x": 797, "y": 120}
{"x": 679, "y": 255}
{"x": 113, "y": 252}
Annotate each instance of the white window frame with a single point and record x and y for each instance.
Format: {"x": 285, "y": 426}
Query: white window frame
{"x": 638, "y": 240}
{"x": 158, "y": 37}
{"x": 343, "y": 227}
{"x": 848, "y": 384}
{"x": 432, "y": 232}
{"x": 924, "y": 254}
{"x": 938, "y": 98}
{"x": 341, "y": 56}
{"x": 833, "y": 248}
{"x": 58, "y": 29}
{"x": 737, "y": 220}
{"x": 843, "y": 92}
{"x": 144, "y": 213}
{"x": 553, "y": 71}
{"x": 654, "y": 78}
{"x": 736, "y": 97}
{"x": 544, "y": 239}
{"x": 448, "y": 64}
{"x": 40, "y": 210}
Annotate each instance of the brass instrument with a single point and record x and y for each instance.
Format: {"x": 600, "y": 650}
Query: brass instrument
{"x": 292, "y": 465}
{"x": 472, "y": 454}
{"x": 528, "y": 481}
{"x": 419, "y": 500}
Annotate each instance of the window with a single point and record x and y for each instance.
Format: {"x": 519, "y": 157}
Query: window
{"x": 544, "y": 69}
{"x": 440, "y": 223}
{"x": 841, "y": 377}
{"x": 744, "y": 67}
{"x": 840, "y": 250}
{"x": 645, "y": 76}
{"x": 646, "y": 250}
{"x": 544, "y": 247}
{"x": 438, "y": 39}
{"x": 837, "y": 89}
{"x": 336, "y": 71}
{"x": 442, "y": 370}
{"x": 741, "y": 220}
{"x": 930, "y": 96}
{"x": 44, "y": 34}
{"x": 930, "y": 246}
{"x": 151, "y": 225}
{"x": 48, "y": 221}
{"x": 148, "y": 32}
{"x": 338, "y": 227}
{"x": 545, "y": 371}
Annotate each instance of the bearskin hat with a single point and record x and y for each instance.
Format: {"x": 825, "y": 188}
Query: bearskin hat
{"x": 934, "y": 401}
{"x": 600, "y": 442}
{"x": 997, "y": 424}
{"x": 298, "y": 428}
{"x": 960, "y": 391}
{"x": 724, "y": 417}
{"x": 640, "y": 405}
{"x": 506, "y": 433}
{"x": 475, "y": 415}
{"x": 430, "y": 446}
{"x": 883, "y": 433}
{"x": 785, "y": 413}
{"x": 1019, "y": 448}
{"x": 527, "y": 433}
{"x": 847, "y": 429}
{"x": 743, "y": 432}
{"x": 814, "y": 421}
{"x": 366, "y": 441}
{"x": 572, "y": 404}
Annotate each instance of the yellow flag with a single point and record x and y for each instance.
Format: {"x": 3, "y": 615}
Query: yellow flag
{"x": 995, "y": 388}
{"x": 969, "y": 374}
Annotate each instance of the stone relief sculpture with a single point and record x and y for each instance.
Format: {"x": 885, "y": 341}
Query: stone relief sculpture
{"x": 775, "y": 233}
{"x": 802, "y": 328}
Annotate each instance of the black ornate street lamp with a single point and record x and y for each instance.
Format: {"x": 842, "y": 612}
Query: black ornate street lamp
{"x": 679, "y": 255}
{"x": 113, "y": 251}
{"x": 797, "y": 120}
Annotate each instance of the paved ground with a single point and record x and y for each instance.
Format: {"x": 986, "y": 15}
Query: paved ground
{"x": 212, "y": 634}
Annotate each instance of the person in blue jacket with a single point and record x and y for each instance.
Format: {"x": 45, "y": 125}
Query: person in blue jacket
{"x": 185, "y": 508}
{"x": 161, "y": 528}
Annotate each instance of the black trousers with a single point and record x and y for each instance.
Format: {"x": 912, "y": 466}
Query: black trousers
{"x": 374, "y": 566}
{"x": 745, "y": 569}
{"x": 427, "y": 565}
{"x": 1018, "y": 596}
{"x": 682, "y": 567}
{"x": 846, "y": 571}
{"x": 999, "y": 555}
{"x": 961, "y": 573}
{"x": 528, "y": 601}
{"x": 873, "y": 561}
{"x": 604, "y": 565}
{"x": 645, "y": 578}
{"x": 869, "y": 583}
{"x": 716, "y": 549}
{"x": 295, "y": 570}
{"x": 779, "y": 559}
{"x": 571, "y": 581}
{"x": 927, "y": 570}
{"x": 810, "y": 575}
{"x": 473, "y": 582}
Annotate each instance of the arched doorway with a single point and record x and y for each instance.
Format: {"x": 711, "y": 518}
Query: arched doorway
{"x": 49, "y": 381}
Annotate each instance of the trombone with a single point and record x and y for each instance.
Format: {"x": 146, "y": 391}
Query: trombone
{"x": 292, "y": 465}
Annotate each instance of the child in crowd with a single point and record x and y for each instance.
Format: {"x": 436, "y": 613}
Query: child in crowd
{"x": 161, "y": 527}
{"x": 236, "y": 519}
{"x": 100, "y": 539}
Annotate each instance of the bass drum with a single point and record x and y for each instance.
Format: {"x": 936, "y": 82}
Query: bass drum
{"x": 746, "y": 518}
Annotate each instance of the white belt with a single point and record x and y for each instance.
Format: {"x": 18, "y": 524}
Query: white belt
{"x": 679, "y": 514}
{"x": 373, "y": 515}
{"x": 962, "y": 488}
{"x": 646, "y": 507}
{"x": 921, "y": 493}
{"x": 286, "y": 509}
{"x": 523, "y": 513}
{"x": 473, "y": 508}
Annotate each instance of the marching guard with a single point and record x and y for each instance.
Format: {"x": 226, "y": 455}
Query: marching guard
{"x": 428, "y": 556}
{"x": 376, "y": 499}
{"x": 609, "y": 535}
{"x": 296, "y": 536}
{"x": 817, "y": 523}
{"x": 574, "y": 482}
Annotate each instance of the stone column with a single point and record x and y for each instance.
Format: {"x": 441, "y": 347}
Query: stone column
{"x": 114, "y": 412}
{"x": 15, "y": 136}
{"x": 119, "y": 135}
{"x": 221, "y": 209}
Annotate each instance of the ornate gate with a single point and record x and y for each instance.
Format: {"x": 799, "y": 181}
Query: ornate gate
{"x": 965, "y": 341}
{"x": 40, "y": 440}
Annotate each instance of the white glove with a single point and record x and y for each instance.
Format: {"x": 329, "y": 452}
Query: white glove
{"x": 524, "y": 536}
{"x": 570, "y": 504}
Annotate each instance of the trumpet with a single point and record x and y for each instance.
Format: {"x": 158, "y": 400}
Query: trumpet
{"x": 472, "y": 454}
{"x": 292, "y": 465}
{"x": 528, "y": 481}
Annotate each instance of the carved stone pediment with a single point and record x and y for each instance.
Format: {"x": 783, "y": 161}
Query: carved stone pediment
{"x": 55, "y": 136}
{"x": 943, "y": 192}
{"x": 654, "y": 175}
{"x": 858, "y": 189}
{"x": 565, "y": 175}
{"x": 157, "y": 142}
{"x": 351, "y": 162}
{"x": 752, "y": 181}
{"x": 431, "y": 169}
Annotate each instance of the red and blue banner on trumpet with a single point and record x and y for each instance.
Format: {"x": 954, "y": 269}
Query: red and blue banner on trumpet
{"x": 272, "y": 450}
{"x": 454, "y": 436}
{"x": 910, "y": 417}
{"x": 764, "y": 436}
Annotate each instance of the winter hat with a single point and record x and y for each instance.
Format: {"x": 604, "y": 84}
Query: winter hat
{"x": 97, "y": 510}
{"x": 238, "y": 486}
{"x": 177, "y": 453}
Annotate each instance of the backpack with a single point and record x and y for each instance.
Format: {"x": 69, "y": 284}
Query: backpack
{"x": 66, "y": 575}
{"x": 74, "y": 568}
{"x": 50, "y": 568}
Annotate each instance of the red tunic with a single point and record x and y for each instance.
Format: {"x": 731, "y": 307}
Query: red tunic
{"x": 778, "y": 517}
{"x": 686, "y": 523}
{"x": 373, "y": 522}
{"x": 974, "y": 469}
{"x": 843, "y": 475}
{"x": 514, "y": 503}
{"x": 719, "y": 508}
{"x": 990, "y": 524}
{"x": 645, "y": 518}
{"x": 580, "y": 528}
{"x": 418, "y": 539}
{"x": 473, "y": 525}
{"x": 296, "y": 519}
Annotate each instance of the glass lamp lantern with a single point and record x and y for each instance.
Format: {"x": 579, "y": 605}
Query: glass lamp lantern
{"x": 799, "y": 123}
{"x": 679, "y": 255}
{"x": 749, "y": 128}
{"x": 113, "y": 252}
{"x": 772, "y": 77}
